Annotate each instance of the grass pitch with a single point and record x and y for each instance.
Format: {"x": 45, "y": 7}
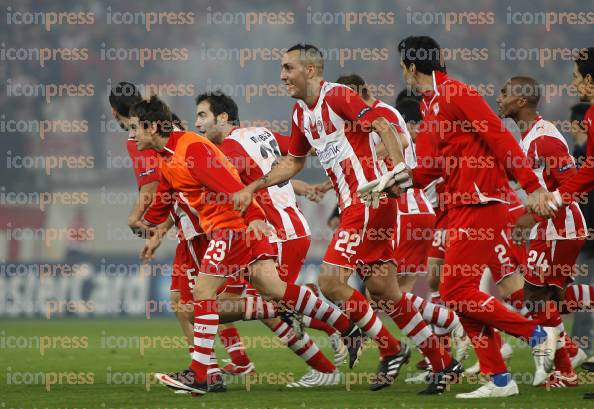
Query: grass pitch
{"x": 106, "y": 364}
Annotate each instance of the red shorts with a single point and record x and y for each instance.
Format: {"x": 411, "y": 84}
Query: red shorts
{"x": 364, "y": 236}
{"x": 177, "y": 270}
{"x": 437, "y": 249}
{"x": 229, "y": 252}
{"x": 414, "y": 235}
{"x": 552, "y": 262}
{"x": 191, "y": 253}
{"x": 291, "y": 254}
{"x": 511, "y": 256}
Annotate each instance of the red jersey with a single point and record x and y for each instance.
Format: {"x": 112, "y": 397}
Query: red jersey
{"x": 253, "y": 151}
{"x": 168, "y": 202}
{"x": 145, "y": 164}
{"x": 548, "y": 153}
{"x": 474, "y": 144}
{"x": 337, "y": 126}
{"x": 583, "y": 181}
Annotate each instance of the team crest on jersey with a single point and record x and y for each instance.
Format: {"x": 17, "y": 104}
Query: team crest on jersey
{"x": 319, "y": 125}
{"x": 436, "y": 108}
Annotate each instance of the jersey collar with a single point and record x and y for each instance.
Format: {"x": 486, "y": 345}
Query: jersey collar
{"x": 534, "y": 121}
{"x": 169, "y": 148}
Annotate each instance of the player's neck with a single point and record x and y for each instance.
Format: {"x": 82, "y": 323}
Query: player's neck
{"x": 369, "y": 101}
{"x": 424, "y": 83}
{"x": 313, "y": 91}
{"x": 159, "y": 142}
{"x": 525, "y": 118}
{"x": 225, "y": 132}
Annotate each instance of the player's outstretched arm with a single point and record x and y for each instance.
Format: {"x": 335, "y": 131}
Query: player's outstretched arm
{"x": 284, "y": 170}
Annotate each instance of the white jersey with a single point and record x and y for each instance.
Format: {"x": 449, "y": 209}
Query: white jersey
{"x": 414, "y": 200}
{"x": 552, "y": 163}
{"x": 254, "y": 151}
{"x": 337, "y": 126}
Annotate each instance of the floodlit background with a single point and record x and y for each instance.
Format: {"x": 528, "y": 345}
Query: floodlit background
{"x": 66, "y": 141}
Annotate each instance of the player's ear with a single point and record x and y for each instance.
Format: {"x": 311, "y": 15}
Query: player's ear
{"x": 588, "y": 79}
{"x": 154, "y": 127}
{"x": 223, "y": 117}
{"x": 311, "y": 70}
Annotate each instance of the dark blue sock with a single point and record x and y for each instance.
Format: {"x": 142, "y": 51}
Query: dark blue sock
{"x": 538, "y": 336}
{"x": 501, "y": 379}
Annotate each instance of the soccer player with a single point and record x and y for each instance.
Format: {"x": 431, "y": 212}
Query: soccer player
{"x": 253, "y": 151}
{"x": 478, "y": 151}
{"x": 334, "y": 120}
{"x": 195, "y": 168}
{"x": 146, "y": 171}
{"x": 415, "y": 220}
{"x": 554, "y": 243}
{"x": 583, "y": 182}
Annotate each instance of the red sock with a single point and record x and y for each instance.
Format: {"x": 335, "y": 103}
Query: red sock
{"x": 213, "y": 372}
{"x": 206, "y": 322}
{"x": 578, "y": 297}
{"x": 360, "y": 312}
{"x": 562, "y": 360}
{"x": 304, "y": 348}
{"x": 570, "y": 345}
{"x": 431, "y": 312}
{"x": 486, "y": 346}
{"x": 498, "y": 339}
{"x": 319, "y": 325}
{"x": 302, "y": 300}
{"x": 232, "y": 342}
{"x": 435, "y": 298}
{"x": 412, "y": 325}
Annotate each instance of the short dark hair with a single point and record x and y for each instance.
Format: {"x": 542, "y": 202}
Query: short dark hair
{"x": 410, "y": 110}
{"x": 529, "y": 89}
{"x": 123, "y": 96}
{"x": 309, "y": 52}
{"x": 407, "y": 93}
{"x": 355, "y": 81}
{"x": 220, "y": 103}
{"x": 585, "y": 62}
{"x": 154, "y": 110}
{"x": 424, "y": 52}
{"x": 578, "y": 111}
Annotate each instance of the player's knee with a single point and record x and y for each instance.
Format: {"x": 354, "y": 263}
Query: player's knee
{"x": 271, "y": 292}
{"x": 204, "y": 293}
{"x": 330, "y": 286}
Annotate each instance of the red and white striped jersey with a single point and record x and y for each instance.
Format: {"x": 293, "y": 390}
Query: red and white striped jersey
{"x": 414, "y": 200}
{"x": 337, "y": 126}
{"x": 548, "y": 153}
{"x": 253, "y": 151}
